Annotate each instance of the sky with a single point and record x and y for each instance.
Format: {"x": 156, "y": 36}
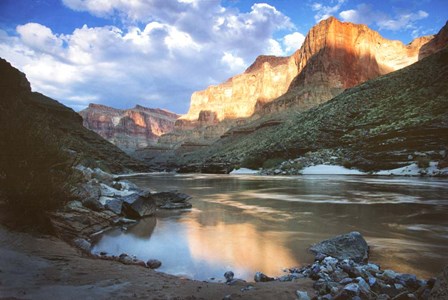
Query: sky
{"x": 156, "y": 53}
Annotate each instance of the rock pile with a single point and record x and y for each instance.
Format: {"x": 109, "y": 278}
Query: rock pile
{"x": 341, "y": 271}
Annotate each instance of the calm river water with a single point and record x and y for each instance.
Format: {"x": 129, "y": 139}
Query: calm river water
{"x": 253, "y": 223}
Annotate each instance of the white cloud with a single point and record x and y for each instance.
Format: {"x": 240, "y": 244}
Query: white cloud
{"x": 402, "y": 21}
{"x": 365, "y": 14}
{"x": 293, "y": 41}
{"x": 175, "y": 48}
{"x": 325, "y": 11}
{"x": 234, "y": 63}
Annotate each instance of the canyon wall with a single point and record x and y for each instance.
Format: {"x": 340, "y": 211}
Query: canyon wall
{"x": 129, "y": 129}
{"x": 334, "y": 56}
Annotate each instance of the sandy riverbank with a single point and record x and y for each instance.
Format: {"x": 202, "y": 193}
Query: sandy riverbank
{"x": 44, "y": 267}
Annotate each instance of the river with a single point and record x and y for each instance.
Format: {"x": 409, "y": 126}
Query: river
{"x": 261, "y": 223}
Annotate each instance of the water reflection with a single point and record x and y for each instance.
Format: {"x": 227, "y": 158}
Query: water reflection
{"x": 248, "y": 224}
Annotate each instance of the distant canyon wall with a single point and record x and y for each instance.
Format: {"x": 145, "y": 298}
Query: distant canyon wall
{"x": 129, "y": 129}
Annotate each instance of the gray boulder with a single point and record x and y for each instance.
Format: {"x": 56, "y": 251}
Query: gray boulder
{"x": 347, "y": 246}
{"x": 93, "y": 204}
{"x": 172, "y": 200}
{"x": 114, "y": 205}
{"x": 142, "y": 205}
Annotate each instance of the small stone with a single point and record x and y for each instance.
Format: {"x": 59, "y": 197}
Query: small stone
{"x": 260, "y": 277}
{"x": 319, "y": 257}
{"x": 228, "y": 275}
{"x": 327, "y": 297}
{"x": 227, "y": 297}
{"x": 153, "y": 263}
{"x": 399, "y": 286}
{"x": 352, "y": 289}
{"x": 346, "y": 281}
{"x": 372, "y": 281}
{"x": 404, "y": 296}
{"x": 389, "y": 275}
{"x": 409, "y": 280}
{"x": 247, "y": 288}
{"x": 125, "y": 259}
{"x": 302, "y": 295}
{"x": 383, "y": 297}
{"x": 364, "y": 287}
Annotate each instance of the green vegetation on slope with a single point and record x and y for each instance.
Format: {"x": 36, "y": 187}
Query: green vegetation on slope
{"x": 377, "y": 125}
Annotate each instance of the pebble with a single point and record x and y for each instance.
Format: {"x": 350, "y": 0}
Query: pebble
{"x": 153, "y": 263}
{"x": 228, "y": 275}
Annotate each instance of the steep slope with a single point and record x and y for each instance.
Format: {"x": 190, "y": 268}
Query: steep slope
{"x": 334, "y": 56}
{"x": 24, "y": 114}
{"x": 129, "y": 129}
{"x": 381, "y": 124}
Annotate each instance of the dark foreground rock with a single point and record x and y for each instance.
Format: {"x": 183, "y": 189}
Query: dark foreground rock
{"x": 347, "y": 246}
{"x": 142, "y": 205}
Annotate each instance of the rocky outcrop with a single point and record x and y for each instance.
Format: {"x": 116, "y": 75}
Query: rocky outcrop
{"x": 129, "y": 129}
{"x": 347, "y": 246}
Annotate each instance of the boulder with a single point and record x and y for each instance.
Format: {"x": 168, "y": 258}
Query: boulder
{"x": 114, "y": 205}
{"x": 143, "y": 205}
{"x": 172, "y": 200}
{"x": 93, "y": 204}
{"x": 440, "y": 289}
{"x": 347, "y": 246}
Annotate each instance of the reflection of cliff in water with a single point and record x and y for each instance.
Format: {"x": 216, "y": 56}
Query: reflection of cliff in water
{"x": 144, "y": 229}
{"x": 240, "y": 246}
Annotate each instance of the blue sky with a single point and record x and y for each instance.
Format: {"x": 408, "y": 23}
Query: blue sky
{"x": 157, "y": 52}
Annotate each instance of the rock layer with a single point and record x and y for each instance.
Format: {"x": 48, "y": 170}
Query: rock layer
{"x": 129, "y": 129}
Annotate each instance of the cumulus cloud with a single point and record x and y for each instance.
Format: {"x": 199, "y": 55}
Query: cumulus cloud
{"x": 293, "y": 41}
{"x": 364, "y": 13}
{"x": 162, "y": 52}
{"x": 325, "y": 11}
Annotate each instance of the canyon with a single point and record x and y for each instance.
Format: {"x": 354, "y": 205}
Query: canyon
{"x": 128, "y": 129}
{"x": 334, "y": 56}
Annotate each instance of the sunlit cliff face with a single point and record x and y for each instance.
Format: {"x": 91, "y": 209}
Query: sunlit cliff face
{"x": 334, "y": 56}
{"x": 242, "y": 245}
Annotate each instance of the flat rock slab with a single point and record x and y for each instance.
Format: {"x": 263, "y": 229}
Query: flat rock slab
{"x": 347, "y": 246}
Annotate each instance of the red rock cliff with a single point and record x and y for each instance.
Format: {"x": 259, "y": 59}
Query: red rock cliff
{"x": 129, "y": 129}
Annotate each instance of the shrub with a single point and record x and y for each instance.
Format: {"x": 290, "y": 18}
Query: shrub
{"x": 273, "y": 162}
{"x": 35, "y": 170}
{"x": 252, "y": 162}
{"x": 423, "y": 162}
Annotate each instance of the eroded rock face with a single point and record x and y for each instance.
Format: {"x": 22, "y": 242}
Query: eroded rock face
{"x": 334, "y": 56}
{"x": 129, "y": 129}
